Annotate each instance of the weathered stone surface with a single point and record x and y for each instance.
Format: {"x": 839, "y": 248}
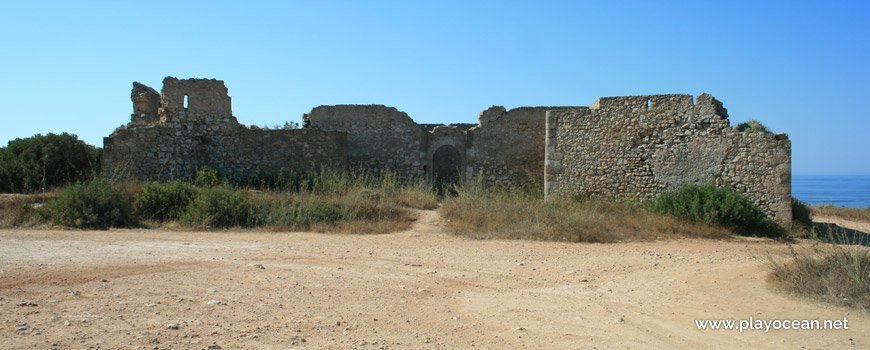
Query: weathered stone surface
{"x": 638, "y": 146}
{"x": 146, "y": 103}
{"x": 505, "y": 147}
{"x": 205, "y": 133}
{"x": 620, "y": 147}
{"x": 508, "y": 146}
{"x": 378, "y": 137}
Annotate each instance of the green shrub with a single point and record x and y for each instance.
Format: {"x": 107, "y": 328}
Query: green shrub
{"x": 220, "y": 207}
{"x": 95, "y": 204}
{"x": 164, "y": 201}
{"x": 318, "y": 213}
{"x": 44, "y": 161}
{"x": 714, "y": 205}
{"x": 208, "y": 177}
{"x": 800, "y": 213}
{"x": 751, "y": 125}
{"x": 293, "y": 213}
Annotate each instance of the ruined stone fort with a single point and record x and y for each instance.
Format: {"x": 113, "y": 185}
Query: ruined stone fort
{"x": 617, "y": 148}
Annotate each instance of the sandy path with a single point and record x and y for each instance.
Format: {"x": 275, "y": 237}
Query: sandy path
{"x": 418, "y": 289}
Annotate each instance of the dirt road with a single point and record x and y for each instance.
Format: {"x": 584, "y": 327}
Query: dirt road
{"x": 418, "y": 289}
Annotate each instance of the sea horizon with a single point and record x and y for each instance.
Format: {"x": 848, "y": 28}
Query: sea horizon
{"x": 838, "y": 190}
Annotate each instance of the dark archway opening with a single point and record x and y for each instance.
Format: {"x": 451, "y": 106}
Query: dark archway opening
{"x": 446, "y": 162}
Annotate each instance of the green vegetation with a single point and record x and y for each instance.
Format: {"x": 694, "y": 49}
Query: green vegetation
{"x": 220, "y": 207}
{"x": 94, "y": 204}
{"x": 42, "y": 162}
{"x": 208, "y": 177}
{"x": 323, "y": 201}
{"x": 802, "y": 219}
{"x": 367, "y": 202}
{"x": 835, "y": 274}
{"x": 164, "y": 201}
{"x": 751, "y": 125}
{"x": 509, "y": 213}
{"x": 713, "y": 205}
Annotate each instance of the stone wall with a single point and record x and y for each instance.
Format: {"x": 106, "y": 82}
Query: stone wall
{"x": 639, "y": 146}
{"x": 181, "y": 140}
{"x": 507, "y": 147}
{"x": 378, "y": 137}
{"x": 618, "y": 148}
{"x": 146, "y": 104}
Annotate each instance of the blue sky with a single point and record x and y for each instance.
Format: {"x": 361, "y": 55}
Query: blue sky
{"x": 799, "y": 67}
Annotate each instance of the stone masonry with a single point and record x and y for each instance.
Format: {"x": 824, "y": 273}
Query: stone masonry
{"x": 618, "y": 148}
{"x": 639, "y": 146}
{"x": 190, "y": 126}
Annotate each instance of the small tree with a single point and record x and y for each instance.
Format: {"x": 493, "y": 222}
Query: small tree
{"x": 43, "y": 161}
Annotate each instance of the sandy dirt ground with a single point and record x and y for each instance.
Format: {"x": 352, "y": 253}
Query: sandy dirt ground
{"x": 860, "y": 226}
{"x": 418, "y": 289}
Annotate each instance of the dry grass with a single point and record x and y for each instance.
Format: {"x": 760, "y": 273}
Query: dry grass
{"x": 368, "y": 211}
{"x": 16, "y": 210}
{"x": 515, "y": 214}
{"x": 851, "y": 214}
{"x": 835, "y": 274}
{"x": 369, "y": 204}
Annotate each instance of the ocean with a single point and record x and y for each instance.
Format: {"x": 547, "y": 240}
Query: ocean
{"x": 839, "y": 190}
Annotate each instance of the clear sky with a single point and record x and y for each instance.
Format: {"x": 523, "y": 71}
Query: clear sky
{"x": 800, "y": 67}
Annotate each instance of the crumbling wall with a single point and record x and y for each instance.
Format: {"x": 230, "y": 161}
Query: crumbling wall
{"x": 461, "y": 126}
{"x": 196, "y": 100}
{"x": 205, "y": 133}
{"x": 620, "y": 147}
{"x": 378, "y": 137}
{"x": 507, "y": 147}
{"x": 639, "y": 146}
{"x": 146, "y": 103}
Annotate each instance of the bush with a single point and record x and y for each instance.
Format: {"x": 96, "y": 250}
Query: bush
{"x": 713, "y": 205}
{"x": 208, "y": 177}
{"x": 751, "y": 125}
{"x": 164, "y": 201}
{"x": 318, "y": 213}
{"x": 95, "y": 204}
{"x": 288, "y": 212}
{"x": 220, "y": 207}
{"x": 41, "y": 162}
{"x": 800, "y": 213}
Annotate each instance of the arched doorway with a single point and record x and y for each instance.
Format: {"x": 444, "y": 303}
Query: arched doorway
{"x": 446, "y": 163}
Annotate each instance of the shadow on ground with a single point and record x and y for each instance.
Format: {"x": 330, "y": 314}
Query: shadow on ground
{"x": 837, "y": 234}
